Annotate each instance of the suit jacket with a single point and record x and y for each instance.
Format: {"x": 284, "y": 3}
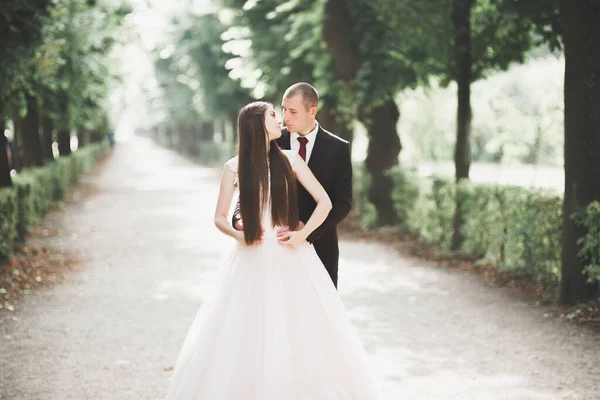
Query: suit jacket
{"x": 331, "y": 164}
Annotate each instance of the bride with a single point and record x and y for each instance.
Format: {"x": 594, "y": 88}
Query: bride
{"x": 275, "y": 329}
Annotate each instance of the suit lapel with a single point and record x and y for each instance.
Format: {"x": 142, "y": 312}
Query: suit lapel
{"x": 319, "y": 151}
{"x": 284, "y": 140}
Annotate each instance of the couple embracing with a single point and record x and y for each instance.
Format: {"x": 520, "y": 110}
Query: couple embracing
{"x": 276, "y": 328}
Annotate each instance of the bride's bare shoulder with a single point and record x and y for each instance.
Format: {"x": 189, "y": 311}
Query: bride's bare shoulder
{"x": 232, "y": 164}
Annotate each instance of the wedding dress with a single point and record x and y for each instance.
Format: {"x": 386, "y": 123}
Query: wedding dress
{"x": 275, "y": 329}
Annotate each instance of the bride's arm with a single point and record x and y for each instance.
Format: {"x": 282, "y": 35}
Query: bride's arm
{"x": 312, "y": 185}
{"x": 225, "y": 196}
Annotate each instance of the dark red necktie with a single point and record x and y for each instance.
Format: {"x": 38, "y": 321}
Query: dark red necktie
{"x": 302, "y": 151}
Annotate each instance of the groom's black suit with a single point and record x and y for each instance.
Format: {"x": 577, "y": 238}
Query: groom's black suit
{"x": 331, "y": 164}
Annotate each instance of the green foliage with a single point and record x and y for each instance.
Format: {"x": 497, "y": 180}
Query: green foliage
{"x": 36, "y": 190}
{"x": 589, "y": 218}
{"x": 517, "y": 116}
{"x": 21, "y": 23}
{"x": 202, "y": 41}
{"x": 34, "y": 194}
{"x": 275, "y": 43}
{"x": 67, "y": 69}
{"x": 8, "y": 222}
{"x": 392, "y": 56}
{"x": 192, "y": 75}
{"x": 443, "y": 198}
{"x": 513, "y": 228}
{"x": 499, "y": 36}
{"x": 516, "y": 229}
{"x": 279, "y": 42}
{"x": 82, "y": 35}
{"x": 485, "y": 223}
{"x": 60, "y": 175}
{"x": 537, "y": 237}
{"x": 361, "y": 182}
{"x": 405, "y": 195}
{"x": 541, "y": 16}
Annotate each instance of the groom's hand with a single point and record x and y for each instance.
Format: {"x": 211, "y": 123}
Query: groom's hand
{"x": 282, "y": 233}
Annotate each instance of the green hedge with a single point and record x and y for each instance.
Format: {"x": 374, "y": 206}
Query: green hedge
{"x": 513, "y": 228}
{"x": 590, "y": 244}
{"x": 36, "y": 190}
{"x": 8, "y": 221}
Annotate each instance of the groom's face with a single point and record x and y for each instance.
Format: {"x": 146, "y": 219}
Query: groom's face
{"x": 298, "y": 117}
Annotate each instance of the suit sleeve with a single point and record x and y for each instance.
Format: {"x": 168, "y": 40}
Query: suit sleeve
{"x": 236, "y": 214}
{"x": 341, "y": 196}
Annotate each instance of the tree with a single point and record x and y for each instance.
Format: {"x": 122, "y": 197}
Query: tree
{"x": 285, "y": 47}
{"x": 462, "y": 41}
{"x": 463, "y": 58}
{"x": 581, "y": 38}
{"x": 218, "y": 96}
{"x": 85, "y": 32}
{"x": 574, "y": 25}
{"x": 359, "y": 37}
{"x": 21, "y": 23}
{"x": 174, "y": 106}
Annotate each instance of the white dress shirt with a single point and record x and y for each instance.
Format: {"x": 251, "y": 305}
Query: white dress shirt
{"x": 311, "y": 136}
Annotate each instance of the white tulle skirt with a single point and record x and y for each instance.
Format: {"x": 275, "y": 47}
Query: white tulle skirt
{"x": 275, "y": 329}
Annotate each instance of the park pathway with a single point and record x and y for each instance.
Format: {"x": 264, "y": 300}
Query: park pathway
{"x": 149, "y": 253}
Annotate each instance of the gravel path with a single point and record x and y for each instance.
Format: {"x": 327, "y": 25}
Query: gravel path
{"x": 149, "y": 254}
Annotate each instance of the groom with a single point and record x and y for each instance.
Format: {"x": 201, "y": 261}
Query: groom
{"x": 328, "y": 157}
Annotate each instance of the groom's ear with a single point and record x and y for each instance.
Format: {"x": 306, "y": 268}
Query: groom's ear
{"x": 313, "y": 111}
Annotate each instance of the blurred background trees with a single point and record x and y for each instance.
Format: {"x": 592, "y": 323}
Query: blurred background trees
{"x": 55, "y": 77}
{"x": 443, "y": 87}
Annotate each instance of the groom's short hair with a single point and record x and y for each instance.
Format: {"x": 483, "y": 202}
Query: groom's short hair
{"x": 309, "y": 94}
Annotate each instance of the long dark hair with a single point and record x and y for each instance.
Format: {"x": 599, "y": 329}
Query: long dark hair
{"x": 253, "y": 173}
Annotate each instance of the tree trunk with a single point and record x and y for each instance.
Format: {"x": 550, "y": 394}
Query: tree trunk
{"x": 223, "y": 129}
{"x": 64, "y": 142}
{"x": 384, "y": 143}
{"x": 191, "y": 142}
{"x": 581, "y": 37}
{"x": 32, "y": 144}
{"x": 337, "y": 34}
{"x": 382, "y": 154}
{"x": 84, "y": 137}
{"x": 233, "y": 120}
{"x": 17, "y": 142}
{"x": 191, "y": 148}
{"x": 461, "y": 19}
{"x": 5, "y": 164}
{"x": 47, "y": 139}
{"x": 207, "y": 131}
{"x": 96, "y": 136}
{"x": 5, "y": 179}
